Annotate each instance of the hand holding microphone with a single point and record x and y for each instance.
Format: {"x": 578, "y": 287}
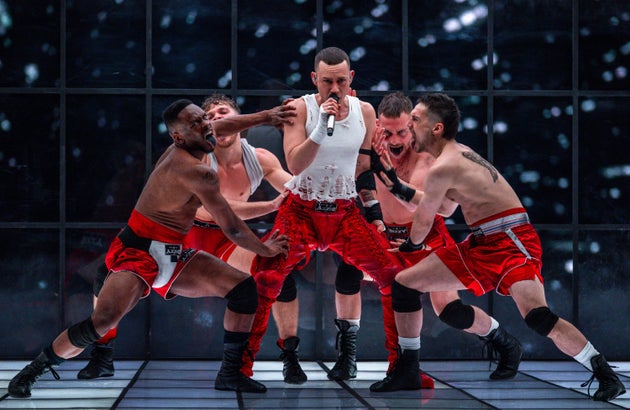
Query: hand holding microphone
{"x": 325, "y": 123}
{"x": 330, "y": 123}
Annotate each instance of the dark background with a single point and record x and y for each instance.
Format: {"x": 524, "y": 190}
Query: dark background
{"x": 542, "y": 85}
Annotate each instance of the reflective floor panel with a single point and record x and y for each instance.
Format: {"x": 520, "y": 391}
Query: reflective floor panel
{"x": 181, "y": 384}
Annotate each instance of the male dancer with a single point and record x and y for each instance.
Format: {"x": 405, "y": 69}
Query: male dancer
{"x": 320, "y": 213}
{"x": 399, "y": 188}
{"x": 148, "y": 253}
{"x": 503, "y": 252}
{"x": 240, "y": 168}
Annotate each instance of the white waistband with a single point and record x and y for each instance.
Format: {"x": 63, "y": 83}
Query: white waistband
{"x": 501, "y": 224}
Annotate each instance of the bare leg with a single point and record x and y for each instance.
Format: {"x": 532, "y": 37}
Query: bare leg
{"x": 348, "y": 306}
{"x": 286, "y": 316}
{"x": 530, "y": 294}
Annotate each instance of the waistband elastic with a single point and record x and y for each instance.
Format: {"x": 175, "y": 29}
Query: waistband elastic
{"x": 501, "y": 224}
{"x": 324, "y": 206}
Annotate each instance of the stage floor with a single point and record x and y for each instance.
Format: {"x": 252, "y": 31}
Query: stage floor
{"x": 181, "y": 384}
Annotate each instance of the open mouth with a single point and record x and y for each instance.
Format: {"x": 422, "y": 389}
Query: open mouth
{"x": 396, "y": 151}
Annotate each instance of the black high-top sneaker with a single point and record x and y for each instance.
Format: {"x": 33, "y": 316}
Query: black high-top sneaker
{"x": 405, "y": 375}
{"x": 609, "y": 384}
{"x": 20, "y": 386}
{"x": 101, "y": 363}
{"x": 230, "y": 376}
{"x": 509, "y": 351}
{"x": 292, "y": 371}
{"x": 346, "y": 366}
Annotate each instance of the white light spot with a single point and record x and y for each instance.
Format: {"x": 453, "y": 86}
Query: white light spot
{"x": 262, "y": 30}
{"x": 568, "y": 266}
{"x": 452, "y": 25}
{"x": 563, "y": 183}
{"x": 588, "y": 105}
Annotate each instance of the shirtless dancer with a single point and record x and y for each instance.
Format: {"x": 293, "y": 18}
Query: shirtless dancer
{"x": 240, "y": 168}
{"x": 148, "y": 253}
{"x": 503, "y": 252}
{"x": 407, "y": 169}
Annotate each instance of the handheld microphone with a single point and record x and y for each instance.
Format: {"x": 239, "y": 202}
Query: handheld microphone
{"x": 330, "y": 124}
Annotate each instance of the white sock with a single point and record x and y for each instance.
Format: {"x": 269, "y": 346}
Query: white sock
{"x": 493, "y": 325}
{"x": 585, "y": 356}
{"x": 409, "y": 343}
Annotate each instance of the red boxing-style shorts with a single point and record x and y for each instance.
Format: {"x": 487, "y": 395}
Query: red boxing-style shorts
{"x": 502, "y": 250}
{"x": 210, "y": 238}
{"x": 337, "y": 226}
{"x": 437, "y": 238}
{"x": 150, "y": 251}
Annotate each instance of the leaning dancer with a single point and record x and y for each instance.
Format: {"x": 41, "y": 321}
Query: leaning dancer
{"x": 148, "y": 253}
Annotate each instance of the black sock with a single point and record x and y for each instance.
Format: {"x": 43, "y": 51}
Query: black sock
{"x": 53, "y": 359}
{"x": 235, "y": 337}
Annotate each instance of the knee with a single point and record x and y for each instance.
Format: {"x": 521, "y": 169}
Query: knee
{"x": 83, "y": 334}
{"x": 348, "y": 279}
{"x": 458, "y": 315}
{"x": 243, "y": 298}
{"x": 542, "y": 320}
{"x": 289, "y": 291}
{"x": 405, "y": 299}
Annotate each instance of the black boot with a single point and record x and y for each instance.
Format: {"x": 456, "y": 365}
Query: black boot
{"x": 20, "y": 385}
{"x": 292, "y": 371}
{"x": 346, "y": 366}
{"x": 509, "y": 350}
{"x": 101, "y": 363}
{"x": 405, "y": 375}
{"x": 609, "y": 384}
{"x": 230, "y": 376}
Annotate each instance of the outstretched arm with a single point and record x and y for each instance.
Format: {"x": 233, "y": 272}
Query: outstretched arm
{"x": 281, "y": 115}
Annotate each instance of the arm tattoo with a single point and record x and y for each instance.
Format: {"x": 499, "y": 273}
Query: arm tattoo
{"x": 474, "y": 157}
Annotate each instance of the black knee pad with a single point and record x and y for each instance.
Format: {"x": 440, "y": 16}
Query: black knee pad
{"x": 348, "y": 279}
{"x": 288, "y": 292}
{"x": 405, "y": 299}
{"x": 542, "y": 320}
{"x": 243, "y": 298}
{"x": 458, "y": 315}
{"x": 99, "y": 279}
{"x": 83, "y": 334}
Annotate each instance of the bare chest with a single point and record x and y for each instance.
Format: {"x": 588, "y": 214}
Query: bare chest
{"x": 234, "y": 182}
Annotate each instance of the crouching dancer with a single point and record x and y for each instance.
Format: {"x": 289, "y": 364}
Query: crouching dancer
{"x": 503, "y": 252}
{"x": 148, "y": 252}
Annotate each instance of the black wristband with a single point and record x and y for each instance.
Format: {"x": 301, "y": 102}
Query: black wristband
{"x": 409, "y": 246}
{"x": 399, "y": 189}
{"x": 374, "y": 213}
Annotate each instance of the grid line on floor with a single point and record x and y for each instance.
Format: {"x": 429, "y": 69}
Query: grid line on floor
{"x": 177, "y": 384}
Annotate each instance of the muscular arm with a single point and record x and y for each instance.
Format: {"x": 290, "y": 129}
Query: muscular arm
{"x": 436, "y": 184}
{"x": 274, "y": 173}
{"x": 299, "y": 150}
{"x": 250, "y": 210}
{"x": 280, "y": 115}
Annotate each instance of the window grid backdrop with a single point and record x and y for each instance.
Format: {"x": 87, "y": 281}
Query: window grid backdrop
{"x": 541, "y": 84}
